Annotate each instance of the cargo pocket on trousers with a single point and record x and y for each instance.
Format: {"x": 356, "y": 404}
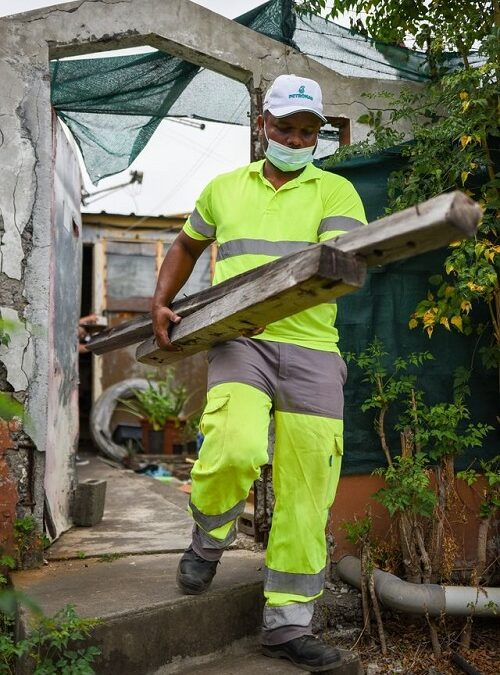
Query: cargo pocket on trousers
{"x": 214, "y": 415}
{"x": 335, "y": 462}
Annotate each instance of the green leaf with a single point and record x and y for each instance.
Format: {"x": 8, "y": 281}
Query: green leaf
{"x": 436, "y": 279}
{"x": 364, "y": 119}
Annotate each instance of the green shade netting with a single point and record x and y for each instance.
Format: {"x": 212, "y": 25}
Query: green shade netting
{"x": 113, "y": 105}
{"x": 383, "y": 308}
{"x": 355, "y": 55}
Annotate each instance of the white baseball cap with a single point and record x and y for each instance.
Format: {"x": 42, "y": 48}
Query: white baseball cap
{"x": 289, "y": 94}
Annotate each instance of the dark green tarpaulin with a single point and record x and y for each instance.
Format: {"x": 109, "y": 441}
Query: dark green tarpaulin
{"x": 383, "y": 308}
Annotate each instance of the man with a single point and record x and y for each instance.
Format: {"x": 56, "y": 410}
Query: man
{"x": 292, "y": 370}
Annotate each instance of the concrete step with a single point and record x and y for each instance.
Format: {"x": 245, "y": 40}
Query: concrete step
{"x": 146, "y": 622}
{"x": 249, "y": 661}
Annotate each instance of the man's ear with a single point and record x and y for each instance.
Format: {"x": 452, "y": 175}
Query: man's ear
{"x": 260, "y": 122}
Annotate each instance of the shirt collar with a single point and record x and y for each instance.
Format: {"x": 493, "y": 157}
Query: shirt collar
{"x": 310, "y": 172}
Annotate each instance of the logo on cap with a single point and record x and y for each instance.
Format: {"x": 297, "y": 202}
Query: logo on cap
{"x": 301, "y": 94}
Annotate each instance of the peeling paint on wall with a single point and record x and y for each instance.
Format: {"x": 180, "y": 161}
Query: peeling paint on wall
{"x": 64, "y": 312}
{"x": 15, "y": 138}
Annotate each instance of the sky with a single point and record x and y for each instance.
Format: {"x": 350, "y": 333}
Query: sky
{"x": 179, "y": 160}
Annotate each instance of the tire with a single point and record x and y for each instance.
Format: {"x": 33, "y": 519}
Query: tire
{"x": 102, "y": 412}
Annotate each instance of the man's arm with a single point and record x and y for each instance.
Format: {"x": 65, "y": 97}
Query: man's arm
{"x": 174, "y": 272}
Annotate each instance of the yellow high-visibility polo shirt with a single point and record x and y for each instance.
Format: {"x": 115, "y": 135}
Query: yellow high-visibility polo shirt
{"x": 254, "y": 224}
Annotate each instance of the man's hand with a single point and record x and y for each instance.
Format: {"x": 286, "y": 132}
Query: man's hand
{"x": 174, "y": 272}
{"x": 162, "y": 317}
{"x": 89, "y": 319}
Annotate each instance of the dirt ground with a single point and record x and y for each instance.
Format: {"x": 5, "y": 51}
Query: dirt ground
{"x": 409, "y": 650}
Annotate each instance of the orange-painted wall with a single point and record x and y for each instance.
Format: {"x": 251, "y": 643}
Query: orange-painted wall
{"x": 354, "y": 497}
{"x": 8, "y": 489}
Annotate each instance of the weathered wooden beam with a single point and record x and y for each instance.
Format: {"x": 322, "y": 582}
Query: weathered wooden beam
{"x": 123, "y": 335}
{"x": 425, "y": 227}
{"x": 421, "y": 228}
{"x": 131, "y": 332}
{"x": 269, "y": 293}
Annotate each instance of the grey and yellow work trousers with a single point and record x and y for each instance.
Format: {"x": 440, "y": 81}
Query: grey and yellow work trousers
{"x": 248, "y": 381}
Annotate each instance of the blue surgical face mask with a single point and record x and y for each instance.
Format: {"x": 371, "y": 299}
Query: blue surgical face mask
{"x": 287, "y": 159}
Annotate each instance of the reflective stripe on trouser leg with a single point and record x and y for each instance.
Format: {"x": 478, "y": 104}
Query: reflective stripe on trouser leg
{"x": 235, "y": 426}
{"x": 306, "y": 469}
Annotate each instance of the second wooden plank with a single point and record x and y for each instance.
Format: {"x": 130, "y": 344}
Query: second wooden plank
{"x": 290, "y": 285}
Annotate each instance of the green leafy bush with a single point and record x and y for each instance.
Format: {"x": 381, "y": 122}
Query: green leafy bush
{"x": 51, "y": 646}
{"x": 408, "y": 486}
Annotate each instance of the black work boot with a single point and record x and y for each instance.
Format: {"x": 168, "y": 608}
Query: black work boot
{"x": 194, "y": 573}
{"x": 306, "y": 652}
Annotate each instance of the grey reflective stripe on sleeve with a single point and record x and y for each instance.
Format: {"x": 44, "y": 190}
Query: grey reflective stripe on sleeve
{"x": 307, "y": 585}
{"x": 333, "y": 223}
{"x": 259, "y": 247}
{"x": 205, "y": 541}
{"x": 201, "y": 226}
{"x": 296, "y": 614}
{"x": 209, "y": 523}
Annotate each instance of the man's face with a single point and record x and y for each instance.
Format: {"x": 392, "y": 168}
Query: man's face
{"x": 299, "y": 130}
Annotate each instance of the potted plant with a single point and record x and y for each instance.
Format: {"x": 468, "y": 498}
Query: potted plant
{"x": 159, "y": 408}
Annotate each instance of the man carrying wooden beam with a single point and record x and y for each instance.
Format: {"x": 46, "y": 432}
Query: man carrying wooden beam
{"x": 292, "y": 370}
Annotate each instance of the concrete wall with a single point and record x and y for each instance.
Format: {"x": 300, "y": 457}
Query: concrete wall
{"x": 27, "y": 42}
{"x": 24, "y": 290}
{"x": 65, "y": 264}
{"x": 22, "y": 465}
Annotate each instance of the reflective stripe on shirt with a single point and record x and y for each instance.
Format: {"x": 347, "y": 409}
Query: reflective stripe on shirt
{"x": 259, "y": 247}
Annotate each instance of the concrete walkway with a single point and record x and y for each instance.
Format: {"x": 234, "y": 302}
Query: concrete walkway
{"x": 142, "y": 515}
{"x": 245, "y": 659}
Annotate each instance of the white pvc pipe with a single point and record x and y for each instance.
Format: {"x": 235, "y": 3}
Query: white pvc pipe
{"x": 431, "y": 599}
{"x": 478, "y": 601}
